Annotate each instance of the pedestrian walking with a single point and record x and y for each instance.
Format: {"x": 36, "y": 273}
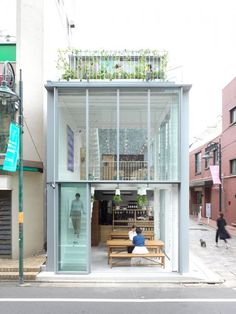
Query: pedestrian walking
{"x": 221, "y": 232}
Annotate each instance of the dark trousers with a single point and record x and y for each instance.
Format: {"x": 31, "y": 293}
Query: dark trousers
{"x": 130, "y": 249}
{"x": 217, "y": 236}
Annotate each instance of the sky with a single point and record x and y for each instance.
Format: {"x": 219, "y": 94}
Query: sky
{"x": 199, "y": 36}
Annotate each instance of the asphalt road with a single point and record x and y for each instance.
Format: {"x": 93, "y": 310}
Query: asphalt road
{"x": 68, "y": 299}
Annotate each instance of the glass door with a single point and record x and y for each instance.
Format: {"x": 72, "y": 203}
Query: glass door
{"x": 73, "y": 249}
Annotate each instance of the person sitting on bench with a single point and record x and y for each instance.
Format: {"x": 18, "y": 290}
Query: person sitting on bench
{"x": 139, "y": 246}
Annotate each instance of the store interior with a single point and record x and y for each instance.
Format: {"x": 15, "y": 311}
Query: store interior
{"x": 108, "y": 216}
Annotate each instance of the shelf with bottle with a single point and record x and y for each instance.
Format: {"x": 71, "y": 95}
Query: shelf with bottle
{"x": 123, "y": 214}
{"x": 146, "y": 225}
{"x": 125, "y": 217}
{"x": 132, "y": 205}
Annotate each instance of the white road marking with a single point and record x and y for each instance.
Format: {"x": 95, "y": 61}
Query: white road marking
{"x": 118, "y": 300}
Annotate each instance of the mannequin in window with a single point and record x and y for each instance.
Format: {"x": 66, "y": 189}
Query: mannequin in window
{"x": 77, "y": 208}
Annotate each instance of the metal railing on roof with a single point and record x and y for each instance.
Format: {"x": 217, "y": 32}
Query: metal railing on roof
{"x": 110, "y": 65}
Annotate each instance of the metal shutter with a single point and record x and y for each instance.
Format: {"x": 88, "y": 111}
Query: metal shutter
{"x": 5, "y": 224}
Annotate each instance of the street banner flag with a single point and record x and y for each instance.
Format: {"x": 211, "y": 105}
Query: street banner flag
{"x": 11, "y": 157}
{"x": 215, "y": 174}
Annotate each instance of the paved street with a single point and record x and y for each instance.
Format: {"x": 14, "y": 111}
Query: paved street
{"x": 136, "y": 299}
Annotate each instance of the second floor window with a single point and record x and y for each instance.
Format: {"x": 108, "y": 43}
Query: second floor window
{"x": 215, "y": 157}
{"x": 233, "y": 115}
{"x": 198, "y": 163}
{"x": 207, "y": 163}
{"x": 233, "y": 166}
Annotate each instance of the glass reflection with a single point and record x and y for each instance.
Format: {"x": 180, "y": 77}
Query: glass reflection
{"x": 73, "y": 235}
{"x": 102, "y": 134}
{"x": 133, "y": 141}
{"x": 164, "y": 135}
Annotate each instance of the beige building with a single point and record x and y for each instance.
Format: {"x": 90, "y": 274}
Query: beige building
{"x": 41, "y": 28}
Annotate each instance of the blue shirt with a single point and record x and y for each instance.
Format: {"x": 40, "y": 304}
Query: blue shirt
{"x": 139, "y": 240}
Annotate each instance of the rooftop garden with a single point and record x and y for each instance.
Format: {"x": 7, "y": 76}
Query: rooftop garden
{"x": 111, "y": 65}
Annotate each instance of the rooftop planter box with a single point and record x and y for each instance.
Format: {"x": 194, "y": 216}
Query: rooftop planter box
{"x": 110, "y": 65}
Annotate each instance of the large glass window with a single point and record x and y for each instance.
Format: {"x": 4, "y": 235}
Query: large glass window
{"x": 102, "y": 134}
{"x": 133, "y": 135}
{"x": 164, "y": 135}
{"x": 72, "y": 135}
{"x": 73, "y": 237}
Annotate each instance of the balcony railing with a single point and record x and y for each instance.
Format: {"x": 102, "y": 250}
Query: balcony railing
{"x": 128, "y": 170}
{"x": 110, "y": 65}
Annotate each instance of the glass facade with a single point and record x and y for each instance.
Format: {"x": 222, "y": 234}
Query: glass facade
{"x": 72, "y": 135}
{"x": 164, "y": 138}
{"x": 115, "y": 136}
{"x": 102, "y": 135}
{"x": 73, "y": 240}
{"x": 133, "y": 135}
{"x": 129, "y": 134}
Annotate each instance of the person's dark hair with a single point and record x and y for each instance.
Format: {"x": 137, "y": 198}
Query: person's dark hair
{"x": 77, "y": 194}
{"x": 133, "y": 226}
{"x": 221, "y": 215}
{"x": 138, "y": 230}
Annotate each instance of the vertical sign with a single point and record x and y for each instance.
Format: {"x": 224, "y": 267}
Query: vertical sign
{"x": 215, "y": 174}
{"x": 70, "y": 149}
{"x": 10, "y": 161}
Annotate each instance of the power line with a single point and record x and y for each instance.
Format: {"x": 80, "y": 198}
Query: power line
{"x": 34, "y": 143}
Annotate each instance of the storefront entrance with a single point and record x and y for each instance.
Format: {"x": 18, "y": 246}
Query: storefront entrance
{"x": 88, "y": 215}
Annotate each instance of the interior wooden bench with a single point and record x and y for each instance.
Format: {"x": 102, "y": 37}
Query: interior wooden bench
{"x": 152, "y": 257}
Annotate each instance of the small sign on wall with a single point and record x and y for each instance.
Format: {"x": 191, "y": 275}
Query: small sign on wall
{"x": 70, "y": 149}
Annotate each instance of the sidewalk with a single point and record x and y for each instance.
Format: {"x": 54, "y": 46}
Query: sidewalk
{"x": 32, "y": 265}
{"x": 219, "y": 260}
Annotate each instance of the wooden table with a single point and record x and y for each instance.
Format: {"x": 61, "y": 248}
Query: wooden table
{"x": 117, "y": 244}
{"x": 119, "y": 234}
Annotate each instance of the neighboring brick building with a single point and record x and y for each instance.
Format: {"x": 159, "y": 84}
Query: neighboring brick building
{"x": 202, "y": 189}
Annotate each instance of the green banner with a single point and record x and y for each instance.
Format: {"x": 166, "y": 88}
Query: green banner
{"x": 10, "y": 161}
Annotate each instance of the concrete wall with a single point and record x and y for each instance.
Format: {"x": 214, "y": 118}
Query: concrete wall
{"x": 29, "y": 58}
{"x": 42, "y": 28}
{"x": 33, "y": 214}
{"x": 41, "y": 31}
